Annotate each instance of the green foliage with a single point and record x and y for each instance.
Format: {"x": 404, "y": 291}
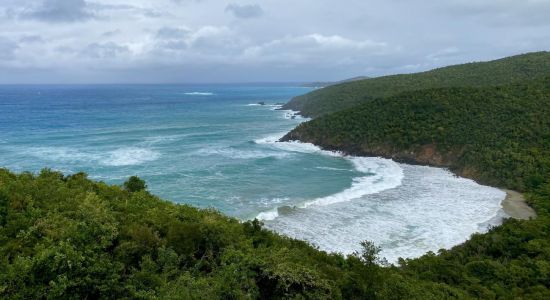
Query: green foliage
{"x": 69, "y": 237}
{"x": 496, "y": 135}
{"x": 135, "y": 184}
{"x": 498, "y": 72}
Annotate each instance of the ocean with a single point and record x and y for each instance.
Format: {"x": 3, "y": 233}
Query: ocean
{"x": 215, "y": 146}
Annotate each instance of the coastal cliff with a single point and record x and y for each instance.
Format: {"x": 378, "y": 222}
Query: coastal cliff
{"x": 423, "y": 155}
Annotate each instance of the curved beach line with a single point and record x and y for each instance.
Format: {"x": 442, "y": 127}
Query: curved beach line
{"x": 381, "y": 174}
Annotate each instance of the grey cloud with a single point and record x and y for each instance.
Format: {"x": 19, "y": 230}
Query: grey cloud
{"x": 502, "y": 12}
{"x": 186, "y": 1}
{"x": 217, "y": 41}
{"x": 210, "y": 40}
{"x": 221, "y": 41}
{"x": 60, "y": 11}
{"x": 104, "y": 50}
{"x": 111, "y": 33}
{"x": 131, "y": 9}
{"x": 7, "y": 49}
{"x": 171, "y": 39}
{"x": 315, "y": 48}
{"x": 63, "y": 11}
{"x": 31, "y": 39}
{"x": 245, "y": 11}
{"x": 172, "y": 33}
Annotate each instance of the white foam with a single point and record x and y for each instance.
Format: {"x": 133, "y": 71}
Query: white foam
{"x": 268, "y": 215}
{"x": 199, "y": 94}
{"x": 381, "y": 174}
{"x": 64, "y": 154}
{"x": 430, "y": 210}
{"x": 384, "y": 174}
{"x": 271, "y": 139}
{"x": 331, "y": 169}
{"x": 290, "y": 114}
{"x": 287, "y": 113}
{"x": 119, "y": 157}
{"x": 129, "y": 156}
{"x": 241, "y": 154}
{"x": 293, "y": 146}
{"x": 271, "y": 106}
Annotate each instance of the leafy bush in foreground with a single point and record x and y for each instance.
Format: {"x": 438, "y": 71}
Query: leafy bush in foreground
{"x": 69, "y": 237}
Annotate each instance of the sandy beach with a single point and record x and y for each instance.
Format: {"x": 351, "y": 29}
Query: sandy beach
{"x": 516, "y": 207}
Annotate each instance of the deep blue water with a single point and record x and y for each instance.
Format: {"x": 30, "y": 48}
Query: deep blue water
{"x": 214, "y": 146}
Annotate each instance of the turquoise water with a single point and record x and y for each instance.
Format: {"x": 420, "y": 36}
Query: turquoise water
{"x": 214, "y": 146}
{"x": 192, "y": 144}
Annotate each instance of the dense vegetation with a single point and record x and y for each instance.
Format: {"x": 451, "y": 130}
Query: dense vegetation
{"x": 498, "y": 72}
{"x": 497, "y": 135}
{"x": 66, "y": 237}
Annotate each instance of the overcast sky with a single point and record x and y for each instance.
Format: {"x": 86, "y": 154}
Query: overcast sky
{"x": 155, "y": 41}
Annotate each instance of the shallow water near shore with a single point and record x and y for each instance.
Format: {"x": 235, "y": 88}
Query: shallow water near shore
{"x": 216, "y": 146}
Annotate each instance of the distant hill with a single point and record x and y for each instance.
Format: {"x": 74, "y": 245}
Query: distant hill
{"x": 322, "y": 84}
{"x": 345, "y": 95}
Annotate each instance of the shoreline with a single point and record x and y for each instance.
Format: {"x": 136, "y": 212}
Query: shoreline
{"x": 516, "y": 207}
{"x": 514, "y": 204}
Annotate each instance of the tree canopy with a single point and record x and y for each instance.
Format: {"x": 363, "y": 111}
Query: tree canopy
{"x": 346, "y": 95}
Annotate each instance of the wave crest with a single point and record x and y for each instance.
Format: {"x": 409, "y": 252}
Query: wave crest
{"x": 380, "y": 174}
{"x": 129, "y": 156}
{"x": 199, "y": 94}
{"x": 116, "y": 158}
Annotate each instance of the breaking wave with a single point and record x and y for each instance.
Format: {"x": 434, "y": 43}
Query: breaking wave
{"x": 380, "y": 175}
{"x": 119, "y": 157}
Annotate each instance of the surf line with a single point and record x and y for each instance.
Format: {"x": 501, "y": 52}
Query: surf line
{"x": 380, "y": 174}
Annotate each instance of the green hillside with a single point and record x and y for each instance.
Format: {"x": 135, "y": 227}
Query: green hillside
{"x": 496, "y": 135}
{"x": 66, "y": 237}
{"x": 503, "y": 71}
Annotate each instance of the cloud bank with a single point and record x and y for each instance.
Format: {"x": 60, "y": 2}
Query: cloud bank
{"x": 145, "y": 41}
{"x": 245, "y": 11}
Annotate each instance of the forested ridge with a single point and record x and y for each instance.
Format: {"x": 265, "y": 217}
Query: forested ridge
{"x": 496, "y": 135}
{"x": 507, "y": 70}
